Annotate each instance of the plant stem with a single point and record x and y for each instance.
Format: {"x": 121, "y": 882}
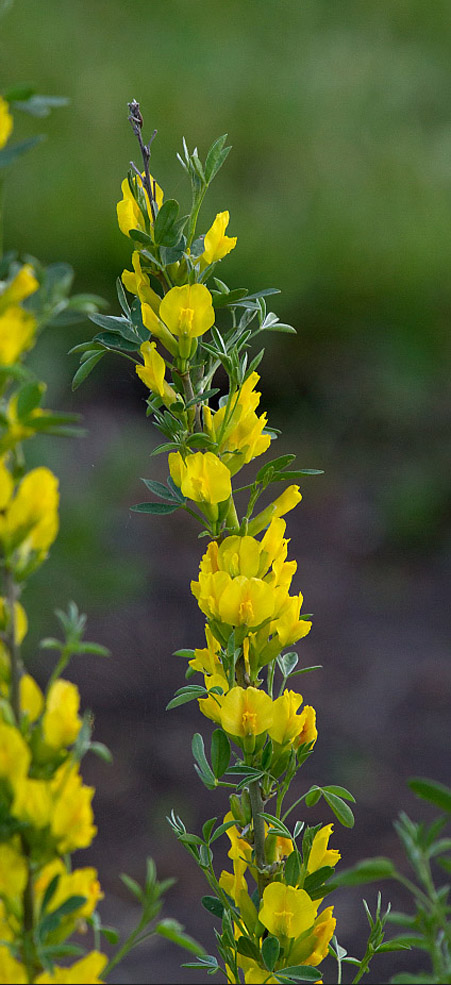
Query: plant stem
{"x": 189, "y": 395}
{"x": 16, "y": 662}
{"x": 259, "y": 832}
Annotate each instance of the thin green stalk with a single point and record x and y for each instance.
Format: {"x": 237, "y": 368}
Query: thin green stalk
{"x": 259, "y": 832}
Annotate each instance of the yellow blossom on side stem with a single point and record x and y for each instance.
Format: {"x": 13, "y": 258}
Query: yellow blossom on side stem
{"x": 320, "y": 854}
{"x": 153, "y": 373}
{"x": 246, "y": 712}
{"x": 20, "y": 287}
{"x": 31, "y": 697}
{"x": 216, "y": 244}
{"x": 137, "y": 282}
{"x": 17, "y": 334}
{"x": 242, "y": 436}
{"x": 32, "y": 517}
{"x": 15, "y": 756}
{"x": 283, "y": 504}
{"x": 314, "y": 948}
{"x": 72, "y": 817}
{"x": 187, "y": 312}
{"x": 129, "y": 215}
{"x": 286, "y": 911}
{"x": 13, "y": 870}
{"x": 202, "y": 477}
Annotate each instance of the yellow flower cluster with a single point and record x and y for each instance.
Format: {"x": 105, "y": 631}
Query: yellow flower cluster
{"x": 244, "y": 583}
{"x": 286, "y": 911}
{"x": 239, "y": 431}
{"x": 17, "y": 326}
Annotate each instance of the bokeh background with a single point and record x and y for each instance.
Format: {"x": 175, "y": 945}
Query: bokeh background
{"x": 339, "y": 188}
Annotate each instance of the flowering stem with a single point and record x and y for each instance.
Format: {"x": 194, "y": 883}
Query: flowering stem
{"x": 259, "y": 832}
{"x": 136, "y": 121}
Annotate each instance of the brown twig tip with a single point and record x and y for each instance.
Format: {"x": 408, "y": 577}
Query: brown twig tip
{"x": 135, "y": 116}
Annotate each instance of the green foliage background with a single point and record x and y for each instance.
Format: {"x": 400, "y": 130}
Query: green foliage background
{"x": 339, "y": 188}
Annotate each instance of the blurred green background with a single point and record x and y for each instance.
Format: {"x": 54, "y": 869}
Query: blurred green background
{"x": 339, "y": 189}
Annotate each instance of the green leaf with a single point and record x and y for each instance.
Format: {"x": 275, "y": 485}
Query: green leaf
{"x": 52, "y": 920}
{"x": 29, "y": 398}
{"x": 431, "y": 790}
{"x": 198, "y": 750}
{"x": 101, "y": 750}
{"x": 248, "y": 948}
{"x": 173, "y": 931}
{"x": 292, "y": 869}
{"x": 213, "y": 905}
{"x": 86, "y": 368}
{"x": 185, "y": 694}
{"x": 111, "y": 935}
{"x": 220, "y": 752}
{"x": 215, "y": 158}
{"x": 270, "y": 952}
{"x": 368, "y": 870}
{"x": 9, "y": 154}
{"x": 117, "y": 324}
{"x": 133, "y": 887}
{"x": 165, "y": 447}
{"x": 158, "y": 489}
{"x": 341, "y": 810}
{"x": 313, "y": 796}
{"x": 299, "y": 973}
{"x": 295, "y": 474}
{"x": 277, "y": 825}
{"x": 340, "y": 792}
{"x": 158, "y": 509}
{"x": 317, "y": 878}
{"x": 287, "y": 662}
{"x": 207, "y": 828}
{"x": 165, "y": 221}
{"x": 40, "y": 106}
{"x": 222, "y": 828}
{"x": 207, "y": 963}
{"x": 277, "y": 464}
{"x": 393, "y": 945}
{"x": 113, "y": 340}
{"x": 186, "y": 654}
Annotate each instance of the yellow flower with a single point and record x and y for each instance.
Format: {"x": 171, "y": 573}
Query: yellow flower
{"x": 283, "y": 504}
{"x": 242, "y": 437}
{"x": 61, "y": 723}
{"x": 320, "y": 854}
{"x": 20, "y": 619}
{"x": 15, "y": 756}
{"x": 314, "y": 948}
{"x": 20, "y": 287}
{"x": 32, "y": 517}
{"x": 286, "y": 722}
{"x": 17, "y": 331}
{"x": 246, "y": 712}
{"x": 288, "y": 626}
{"x": 207, "y": 660}
{"x": 86, "y": 971}
{"x": 201, "y": 477}
{"x": 286, "y": 911}
{"x": 11, "y": 970}
{"x": 31, "y": 697}
{"x": 187, "y": 312}
{"x": 237, "y": 601}
{"x": 216, "y": 244}
{"x": 32, "y": 801}
{"x": 129, "y": 215}
{"x": 6, "y": 126}
{"x": 6, "y": 485}
{"x": 13, "y": 871}
{"x": 137, "y": 282}
{"x": 211, "y": 706}
{"x": 307, "y": 727}
{"x": 153, "y": 371}
{"x": 72, "y": 818}
{"x": 80, "y": 882}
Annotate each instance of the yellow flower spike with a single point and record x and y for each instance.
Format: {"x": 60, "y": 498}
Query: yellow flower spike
{"x": 72, "y": 818}
{"x": 216, "y": 244}
{"x": 246, "y": 712}
{"x": 61, "y": 723}
{"x": 286, "y": 722}
{"x": 129, "y": 215}
{"x": 13, "y": 871}
{"x": 188, "y": 313}
{"x": 15, "y": 756}
{"x": 285, "y": 911}
{"x": 153, "y": 372}
{"x": 138, "y": 283}
{"x": 283, "y": 504}
{"x": 86, "y": 971}
{"x": 6, "y": 126}
{"x": 17, "y": 334}
{"x": 320, "y": 854}
{"x": 31, "y": 697}
{"x": 201, "y": 477}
